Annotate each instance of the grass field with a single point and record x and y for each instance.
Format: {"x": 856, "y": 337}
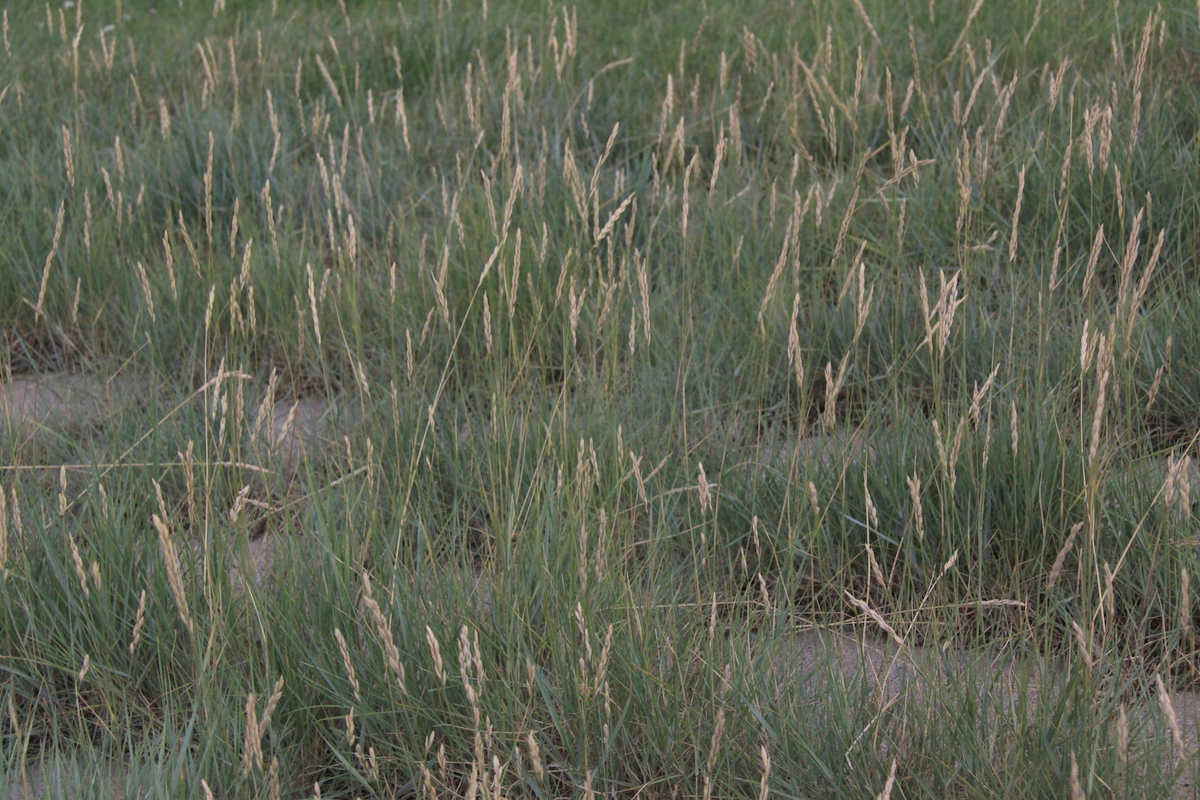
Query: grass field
{"x": 716, "y": 399}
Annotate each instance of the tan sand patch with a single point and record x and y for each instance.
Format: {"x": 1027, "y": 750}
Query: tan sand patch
{"x": 69, "y": 776}
{"x": 891, "y": 671}
{"x": 56, "y": 401}
{"x": 297, "y": 430}
{"x": 266, "y": 559}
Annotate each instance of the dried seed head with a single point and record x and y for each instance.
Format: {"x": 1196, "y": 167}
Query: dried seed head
{"x": 833, "y": 386}
{"x": 886, "y": 794}
{"x": 1176, "y": 489}
{"x": 872, "y": 512}
{"x": 1154, "y": 387}
{"x": 252, "y": 752}
{"x": 876, "y": 572}
{"x": 276, "y": 694}
{"x": 1105, "y": 138}
{"x": 1076, "y": 787}
{"x": 1085, "y": 649}
{"x": 1168, "y": 709}
{"x": 1056, "y": 82}
{"x": 139, "y": 621}
{"x": 383, "y": 628}
{"x": 348, "y": 664}
{"x": 1103, "y": 366}
{"x": 68, "y": 156}
{"x": 604, "y": 653}
{"x": 764, "y": 785}
{"x": 174, "y": 573}
{"x": 1132, "y": 245}
{"x": 1014, "y": 430}
{"x": 874, "y": 615}
{"x": 715, "y": 746}
{"x": 914, "y": 491}
{"x": 535, "y": 756}
{"x": 1093, "y": 257}
{"x": 58, "y": 228}
{"x": 78, "y": 564}
{"x": 1012, "y": 241}
{"x": 705, "y": 489}
{"x": 16, "y": 512}
{"x": 776, "y": 276}
{"x": 436, "y": 651}
{"x": 1062, "y": 556}
{"x": 980, "y": 393}
{"x": 795, "y": 354}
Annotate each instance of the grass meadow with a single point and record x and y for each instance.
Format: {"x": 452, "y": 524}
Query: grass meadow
{"x": 518, "y": 399}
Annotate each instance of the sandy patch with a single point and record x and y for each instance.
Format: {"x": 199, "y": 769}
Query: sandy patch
{"x": 56, "y": 401}
{"x": 832, "y": 450}
{"x": 267, "y": 559}
{"x": 69, "y": 776}
{"x": 826, "y": 661}
{"x": 293, "y": 431}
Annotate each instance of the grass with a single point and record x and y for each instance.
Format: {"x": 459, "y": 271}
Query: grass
{"x": 646, "y": 346}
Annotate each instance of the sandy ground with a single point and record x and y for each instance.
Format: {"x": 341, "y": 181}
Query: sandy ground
{"x": 293, "y": 432}
{"x": 67, "y": 777}
{"x": 57, "y": 401}
{"x": 297, "y": 430}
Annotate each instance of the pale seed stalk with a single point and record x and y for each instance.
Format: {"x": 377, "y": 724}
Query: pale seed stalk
{"x": 1076, "y": 788}
{"x": 1012, "y": 242}
{"x": 1168, "y": 709}
{"x": 68, "y": 158}
{"x": 383, "y": 627}
{"x": 58, "y": 226}
{"x": 78, "y": 560}
{"x": 764, "y": 784}
{"x": 436, "y": 651}
{"x": 174, "y": 573}
{"x": 139, "y": 621}
{"x": 252, "y": 752}
{"x": 914, "y": 490}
